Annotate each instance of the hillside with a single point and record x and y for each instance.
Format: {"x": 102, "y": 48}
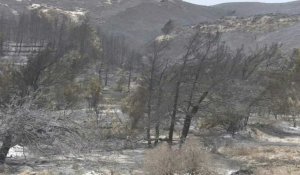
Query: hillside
{"x": 249, "y": 32}
{"x": 144, "y": 21}
{"x": 254, "y": 8}
{"x": 139, "y": 20}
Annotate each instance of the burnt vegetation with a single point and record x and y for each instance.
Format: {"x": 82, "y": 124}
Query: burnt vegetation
{"x": 60, "y": 69}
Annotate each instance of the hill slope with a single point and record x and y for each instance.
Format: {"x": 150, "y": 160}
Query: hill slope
{"x": 255, "y": 8}
{"x": 144, "y": 21}
{"x": 140, "y": 20}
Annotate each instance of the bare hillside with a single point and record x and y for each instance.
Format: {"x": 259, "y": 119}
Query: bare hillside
{"x": 140, "y": 20}
{"x": 254, "y": 8}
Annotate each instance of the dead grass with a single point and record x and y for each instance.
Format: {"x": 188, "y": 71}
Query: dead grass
{"x": 259, "y": 135}
{"x": 282, "y": 170}
{"x": 251, "y": 151}
{"x": 272, "y": 153}
{"x": 190, "y": 159}
{"x": 36, "y": 173}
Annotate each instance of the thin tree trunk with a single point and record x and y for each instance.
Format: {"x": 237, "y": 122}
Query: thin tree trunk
{"x": 1, "y": 45}
{"x": 150, "y": 91}
{"x": 174, "y": 112}
{"x": 6, "y": 145}
{"x": 276, "y": 116}
{"x": 149, "y": 133}
{"x": 149, "y": 119}
{"x": 97, "y": 116}
{"x": 129, "y": 79}
{"x": 100, "y": 72}
{"x": 99, "y": 75}
{"x": 158, "y": 106}
{"x": 246, "y": 121}
{"x": 106, "y": 76}
{"x": 157, "y": 126}
{"x": 20, "y": 46}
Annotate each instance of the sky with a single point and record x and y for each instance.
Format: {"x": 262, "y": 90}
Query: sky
{"x": 213, "y": 2}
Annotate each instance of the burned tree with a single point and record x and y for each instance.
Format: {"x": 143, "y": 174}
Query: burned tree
{"x": 191, "y": 51}
{"x": 132, "y": 64}
{"x": 209, "y": 48}
{"x": 168, "y": 27}
{"x": 217, "y": 72}
{"x": 22, "y": 123}
{"x": 1, "y": 44}
{"x": 27, "y": 91}
{"x": 156, "y": 50}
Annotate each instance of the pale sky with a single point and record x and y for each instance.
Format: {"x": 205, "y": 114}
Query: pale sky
{"x": 213, "y": 2}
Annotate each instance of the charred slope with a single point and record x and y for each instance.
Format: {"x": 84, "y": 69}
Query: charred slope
{"x": 254, "y": 8}
{"x": 144, "y": 21}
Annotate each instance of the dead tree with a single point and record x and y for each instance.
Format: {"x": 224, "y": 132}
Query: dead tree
{"x": 24, "y": 124}
{"x": 208, "y": 45}
{"x": 157, "y": 48}
{"x": 159, "y": 112}
{"x": 191, "y": 49}
{"x": 218, "y": 70}
{"x": 131, "y": 64}
{"x": 1, "y": 44}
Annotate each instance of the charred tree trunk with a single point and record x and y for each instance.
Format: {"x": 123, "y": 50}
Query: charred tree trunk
{"x": 6, "y": 145}
{"x": 190, "y": 50}
{"x": 187, "y": 124}
{"x": 97, "y": 115}
{"x": 106, "y": 76}
{"x": 1, "y": 45}
{"x": 276, "y": 116}
{"x": 158, "y": 113}
{"x": 294, "y": 121}
{"x": 99, "y": 75}
{"x": 100, "y": 72}
{"x": 149, "y": 119}
{"x": 129, "y": 79}
{"x": 246, "y": 120}
{"x": 149, "y": 103}
{"x": 149, "y": 133}
{"x": 20, "y": 46}
{"x": 174, "y": 113}
{"x": 189, "y": 116}
{"x": 176, "y": 97}
{"x": 134, "y": 123}
{"x": 157, "y": 126}
{"x": 158, "y": 105}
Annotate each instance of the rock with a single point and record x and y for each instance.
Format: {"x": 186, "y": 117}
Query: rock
{"x": 137, "y": 172}
{"x": 26, "y": 169}
{"x": 16, "y": 151}
{"x": 45, "y": 172}
{"x": 41, "y": 162}
{"x": 243, "y": 172}
{"x": 27, "y": 173}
